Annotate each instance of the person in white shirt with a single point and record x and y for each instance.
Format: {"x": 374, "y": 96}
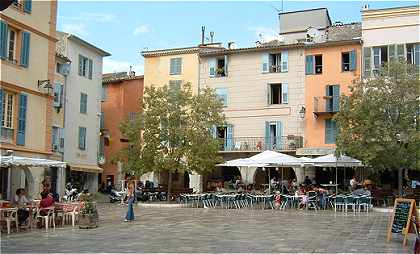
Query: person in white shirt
{"x": 353, "y": 183}
{"x": 21, "y": 200}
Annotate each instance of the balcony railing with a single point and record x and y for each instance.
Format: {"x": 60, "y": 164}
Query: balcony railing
{"x": 6, "y": 135}
{"x": 326, "y": 105}
{"x": 251, "y": 144}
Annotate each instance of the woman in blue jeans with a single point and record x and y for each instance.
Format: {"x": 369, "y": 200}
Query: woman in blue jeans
{"x": 130, "y": 200}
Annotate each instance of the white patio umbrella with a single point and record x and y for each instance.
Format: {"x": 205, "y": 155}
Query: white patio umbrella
{"x": 29, "y": 162}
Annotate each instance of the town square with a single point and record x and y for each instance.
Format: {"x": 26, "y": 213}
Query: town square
{"x": 209, "y": 126}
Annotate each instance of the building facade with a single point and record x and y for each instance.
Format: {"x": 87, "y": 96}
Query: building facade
{"x": 122, "y": 94}
{"x": 27, "y": 59}
{"x": 82, "y": 91}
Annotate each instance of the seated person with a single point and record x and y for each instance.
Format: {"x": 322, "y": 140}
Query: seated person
{"x": 21, "y": 200}
{"x": 307, "y": 181}
{"x": 46, "y": 201}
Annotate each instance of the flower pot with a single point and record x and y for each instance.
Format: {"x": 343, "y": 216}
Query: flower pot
{"x": 89, "y": 220}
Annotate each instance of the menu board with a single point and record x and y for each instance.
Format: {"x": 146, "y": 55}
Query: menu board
{"x": 401, "y": 223}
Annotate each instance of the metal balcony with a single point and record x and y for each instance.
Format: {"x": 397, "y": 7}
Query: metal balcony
{"x": 255, "y": 144}
{"x": 326, "y": 105}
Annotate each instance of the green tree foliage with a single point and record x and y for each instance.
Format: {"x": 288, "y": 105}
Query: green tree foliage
{"x": 172, "y": 132}
{"x": 379, "y": 122}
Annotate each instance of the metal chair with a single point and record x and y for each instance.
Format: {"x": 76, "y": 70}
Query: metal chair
{"x": 339, "y": 202}
{"x": 312, "y": 200}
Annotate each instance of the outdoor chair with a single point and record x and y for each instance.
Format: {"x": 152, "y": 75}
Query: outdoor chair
{"x": 71, "y": 211}
{"x": 339, "y": 202}
{"x": 350, "y": 201}
{"x": 312, "y": 200}
{"x": 11, "y": 216}
{"x": 48, "y": 218}
{"x": 365, "y": 202}
{"x": 269, "y": 201}
{"x": 285, "y": 200}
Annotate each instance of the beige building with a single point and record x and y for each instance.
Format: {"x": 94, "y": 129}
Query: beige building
{"x": 27, "y": 53}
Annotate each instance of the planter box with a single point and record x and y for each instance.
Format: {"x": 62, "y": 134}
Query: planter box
{"x": 89, "y": 220}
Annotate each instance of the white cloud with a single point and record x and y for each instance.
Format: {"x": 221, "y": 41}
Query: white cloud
{"x": 265, "y": 34}
{"x": 76, "y": 28}
{"x": 141, "y": 30}
{"x": 110, "y": 65}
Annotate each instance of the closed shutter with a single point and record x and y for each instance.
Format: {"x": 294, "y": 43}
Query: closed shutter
{"x": 82, "y": 138}
{"x": 83, "y": 103}
{"x": 3, "y": 39}
{"x": 226, "y": 64}
{"x": 353, "y": 60}
{"x": 417, "y": 54}
{"x": 392, "y": 53}
{"x": 330, "y": 131}
{"x": 265, "y": 59}
{"x": 20, "y": 137}
{"x": 309, "y": 65}
{"x": 367, "y": 52}
{"x": 285, "y": 93}
{"x": 61, "y": 140}
{"x": 27, "y": 6}
{"x": 212, "y": 67}
{"x": 284, "y": 61}
{"x": 279, "y": 134}
{"x": 24, "y": 55}
{"x": 1, "y": 107}
{"x": 80, "y": 65}
{"x": 336, "y": 98}
{"x": 57, "y": 95}
{"x": 229, "y": 138}
{"x": 267, "y": 139}
{"x": 90, "y": 68}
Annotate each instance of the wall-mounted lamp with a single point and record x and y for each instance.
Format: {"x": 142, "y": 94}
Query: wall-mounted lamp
{"x": 302, "y": 112}
{"x": 45, "y": 86}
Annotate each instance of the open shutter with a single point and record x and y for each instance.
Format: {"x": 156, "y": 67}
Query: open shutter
{"x": 328, "y": 132}
{"x": 279, "y": 133}
{"x": 212, "y": 67}
{"x": 226, "y": 64}
{"x": 284, "y": 61}
{"x": 309, "y": 65}
{"x": 229, "y": 138}
{"x": 265, "y": 58}
{"x": 267, "y": 140}
{"x": 61, "y": 140}
{"x": 80, "y": 65}
{"x": 27, "y": 6}
{"x": 353, "y": 60}
{"x": 417, "y": 54}
{"x": 285, "y": 93}
{"x": 3, "y": 39}
{"x": 268, "y": 94}
{"x": 367, "y": 62}
{"x": 1, "y": 105}
{"x": 213, "y": 131}
{"x": 24, "y": 55}
{"x": 336, "y": 98}
{"x": 20, "y": 137}
{"x": 90, "y": 68}
{"x": 57, "y": 95}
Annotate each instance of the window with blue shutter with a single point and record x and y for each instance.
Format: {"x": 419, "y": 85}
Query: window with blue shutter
{"x": 279, "y": 133}
{"x": 265, "y": 61}
{"x": 213, "y": 131}
{"x": 27, "y": 6}
{"x": 353, "y": 60}
{"x": 330, "y": 131}
{"x": 309, "y": 65}
{"x": 3, "y": 39}
{"x": 20, "y": 137}
{"x": 212, "y": 62}
{"x": 24, "y": 53}
{"x": 333, "y": 98}
{"x": 229, "y": 138}
{"x": 82, "y": 138}
{"x": 285, "y": 93}
{"x": 90, "y": 69}
{"x": 222, "y": 94}
{"x": 175, "y": 66}
{"x": 83, "y": 103}
{"x": 284, "y": 61}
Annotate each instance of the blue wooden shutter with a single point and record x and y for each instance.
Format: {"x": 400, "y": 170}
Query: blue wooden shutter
{"x": 417, "y": 54}
{"x": 82, "y": 138}
{"x": 212, "y": 67}
{"x": 309, "y": 65}
{"x": 80, "y": 65}
{"x": 284, "y": 61}
{"x": 353, "y": 60}
{"x": 90, "y": 68}
{"x": 229, "y": 138}
{"x": 285, "y": 93}
{"x": 267, "y": 138}
{"x": 336, "y": 98}
{"x": 20, "y": 137}
{"x": 279, "y": 133}
{"x": 1, "y": 106}
{"x": 27, "y": 6}
{"x": 330, "y": 131}
{"x": 265, "y": 59}
{"x": 24, "y": 54}
{"x": 3, "y": 39}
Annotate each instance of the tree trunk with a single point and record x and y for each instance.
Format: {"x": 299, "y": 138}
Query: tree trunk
{"x": 169, "y": 186}
{"x": 400, "y": 182}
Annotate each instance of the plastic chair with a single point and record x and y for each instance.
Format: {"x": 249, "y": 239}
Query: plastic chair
{"x": 312, "y": 200}
{"x": 11, "y": 216}
{"x": 339, "y": 202}
{"x": 350, "y": 201}
{"x": 46, "y": 218}
{"x": 71, "y": 213}
{"x": 365, "y": 202}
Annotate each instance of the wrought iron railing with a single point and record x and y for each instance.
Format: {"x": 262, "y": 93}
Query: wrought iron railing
{"x": 284, "y": 143}
{"x": 326, "y": 104}
{"x": 6, "y": 135}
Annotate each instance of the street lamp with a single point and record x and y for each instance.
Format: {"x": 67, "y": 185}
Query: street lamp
{"x": 302, "y": 112}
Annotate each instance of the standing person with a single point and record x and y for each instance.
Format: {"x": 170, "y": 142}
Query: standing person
{"x": 130, "y": 200}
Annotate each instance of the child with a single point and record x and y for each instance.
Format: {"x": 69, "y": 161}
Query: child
{"x": 277, "y": 200}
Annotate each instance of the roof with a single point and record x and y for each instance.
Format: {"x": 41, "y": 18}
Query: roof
{"x": 391, "y": 8}
{"x": 179, "y": 51}
{"x": 63, "y": 57}
{"x": 77, "y": 39}
{"x": 307, "y": 10}
{"x": 344, "y": 32}
{"x": 108, "y": 78}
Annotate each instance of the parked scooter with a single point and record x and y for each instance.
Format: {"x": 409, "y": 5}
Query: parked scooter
{"x": 116, "y": 196}
{"x": 71, "y": 193}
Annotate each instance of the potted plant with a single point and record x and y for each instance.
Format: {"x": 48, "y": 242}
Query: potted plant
{"x": 88, "y": 216}
{"x": 220, "y": 71}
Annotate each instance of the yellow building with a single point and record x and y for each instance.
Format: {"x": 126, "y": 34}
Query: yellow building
{"x": 27, "y": 62}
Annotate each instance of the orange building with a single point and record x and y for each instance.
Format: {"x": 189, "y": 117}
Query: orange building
{"x": 121, "y": 96}
{"x": 330, "y": 68}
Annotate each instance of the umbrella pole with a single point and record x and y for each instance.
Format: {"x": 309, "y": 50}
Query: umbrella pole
{"x": 336, "y": 180}
{"x": 269, "y": 181}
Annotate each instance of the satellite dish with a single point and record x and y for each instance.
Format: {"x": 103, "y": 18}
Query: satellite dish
{"x": 4, "y": 4}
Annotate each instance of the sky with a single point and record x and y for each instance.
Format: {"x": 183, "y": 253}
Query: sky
{"x": 125, "y": 28}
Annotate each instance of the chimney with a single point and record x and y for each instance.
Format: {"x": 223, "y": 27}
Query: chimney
{"x": 365, "y": 7}
{"x": 211, "y": 36}
{"x": 203, "y": 30}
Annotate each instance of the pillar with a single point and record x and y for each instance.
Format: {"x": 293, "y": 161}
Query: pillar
{"x": 61, "y": 181}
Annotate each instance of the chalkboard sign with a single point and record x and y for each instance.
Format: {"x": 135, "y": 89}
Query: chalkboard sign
{"x": 400, "y": 223}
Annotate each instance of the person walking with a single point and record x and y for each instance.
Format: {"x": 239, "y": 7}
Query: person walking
{"x": 130, "y": 200}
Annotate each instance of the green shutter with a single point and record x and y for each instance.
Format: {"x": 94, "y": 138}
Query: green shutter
{"x": 90, "y": 68}
{"x": 417, "y": 54}
{"x": 392, "y": 51}
{"x": 353, "y": 60}
{"x": 20, "y": 137}
{"x": 27, "y": 6}
{"x": 309, "y": 65}
{"x": 265, "y": 59}
{"x": 3, "y": 39}
{"x": 400, "y": 52}
{"x": 83, "y": 103}
{"x": 367, "y": 52}
{"x": 336, "y": 98}
{"x": 330, "y": 131}
{"x": 24, "y": 55}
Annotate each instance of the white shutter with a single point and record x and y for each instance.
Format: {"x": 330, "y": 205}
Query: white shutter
{"x": 212, "y": 62}
{"x": 284, "y": 61}
{"x": 285, "y": 93}
{"x": 265, "y": 62}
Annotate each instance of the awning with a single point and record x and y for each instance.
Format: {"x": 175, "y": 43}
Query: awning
{"x": 29, "y": 162}
{"x": 85, "y": 168}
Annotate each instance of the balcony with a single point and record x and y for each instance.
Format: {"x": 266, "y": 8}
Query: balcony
{"x": 256, "y": 144}
{"x": 326, "y": 105}
{"x": 6, "y": 135}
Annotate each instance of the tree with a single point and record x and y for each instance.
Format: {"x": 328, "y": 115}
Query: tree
{"x": 379, "y": 122}
{"x": 171, "y": 134}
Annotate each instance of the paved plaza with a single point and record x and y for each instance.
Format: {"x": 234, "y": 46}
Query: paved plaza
{"x": 215, "y": 230}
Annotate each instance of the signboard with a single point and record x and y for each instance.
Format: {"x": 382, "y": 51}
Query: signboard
{"x": 400, "y": 223}
{"x": 314, "y": 151}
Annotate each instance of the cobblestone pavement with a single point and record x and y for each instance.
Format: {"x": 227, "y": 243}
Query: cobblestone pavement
{"x": 215, "y": 230}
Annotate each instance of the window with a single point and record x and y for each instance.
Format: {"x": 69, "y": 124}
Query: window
{"x": 345, "y": 61}
{"x": 85, "y": 67}
{"x": 175, "y": 84}
{"x": 330, "y": 131}
{"x": 175, "y": 66}
{"x": 318, "y": 64}
{"x": 222, "y": 94}
{"x": 103, "y": 93}
{"x": 277, "y": 62}
{"x": 6, "y": 112}
{"x": 273, "y": 135}
{"x": 55, "y": 138}
{"x": 220, "y": 71}
{"x": 333, "y": 98}
{"x": 313, "y": 64}
{"x": 413, "y": 54}
{"x": 132, "y": 116}
{"x": 380, "y": 57}
{"x": 58, "y": 94}
{"x": 83, "y": 103}
{"x": 82, "y": 138}
{"x": 278, "y": 94}
{"x": 11, "y": 46}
